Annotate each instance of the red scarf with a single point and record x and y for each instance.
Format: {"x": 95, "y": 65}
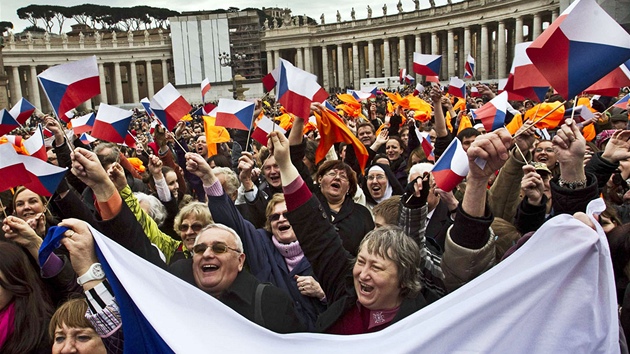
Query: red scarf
{"x": 7, "y": 320}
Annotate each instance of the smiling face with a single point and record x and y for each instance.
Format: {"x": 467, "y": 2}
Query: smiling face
{"x": 544, "y": 153}
{"x": 77, "y": 340}
{"x": 171, "y": 182}
{"x": 280, "y": 226}
{"x": 377, "y": 183}
{"x": 334, "y": 185}
{"x": 376, "y": 281}
{"x": 201, "y": 147}
{"x": 187, "y": 232}
{"x": 272, "y": 172}
{"x": 366, "y": 135}
{"x": 393, "y": 149}
{"x": 214, "y": 273}
{"x": 28, "y": 204}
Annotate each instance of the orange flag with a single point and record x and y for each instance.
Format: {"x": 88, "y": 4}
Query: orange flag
{"x": 214, "y": 135}
{"x": 332, "y": 129}
{"x": 589, "y": 132}
{"x": 552, "y": 120}
{"x": 464, "y": 123}
{"x": 447, "y": 116}
{"x": 515, "y": 124}
{"x": 460, "y": 105}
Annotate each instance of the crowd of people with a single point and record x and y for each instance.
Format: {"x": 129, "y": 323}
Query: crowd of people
{"x": 299, "y": 245}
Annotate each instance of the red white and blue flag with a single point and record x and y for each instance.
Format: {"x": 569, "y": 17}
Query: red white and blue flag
{"x": 364, "y": 94}
{"x": 297, "y": 89}
{"x": 581, "y": 114}
{"x": 264, "y": 126}
{"x": 457, "y": 87}
{"x": 22, "y": 110}
{"x": 83, "y": 124}
{"x": 147, "y": 106}
{"x": 87, "y": 139}
{"x": 610, "y": 84}
{"x": 581, "y": 46}
{"x": 169, "y": 106}
{"x": 419, "y": 89}
{"x": 7, "y": 122}
{"x": 235, "y": 114}
{"x": 427, "y": 64}
{"x": 69, "y": 85}
{"x": 269, "y": 81}
{"x": 623, "y": 102}
{"x": 35, "y": 146}
{"x": 13, "y": 171}
{"x": 409, "y": 79}
{"x": 525, "y": 80}
{"x": 452, "y": 167}
{"x": 402, "y": 74}
{"x": 425, "y": 143}
{"x": 205, "y": 87}
{"x": 111, "y": 124}
{"x": 492, "y": 114}
{"x": 469, "y": 67}
{"x": 44, "y": 177}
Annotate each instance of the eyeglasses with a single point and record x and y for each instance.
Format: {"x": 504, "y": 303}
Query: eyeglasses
{"x": 217, "y": 248}
{"x": 276, "y": 216}
{"x": 376, "y": 177}
{"x": 194, "y": 227}
{"x": 547, "y": 150}
{"x": 332, "y": 174}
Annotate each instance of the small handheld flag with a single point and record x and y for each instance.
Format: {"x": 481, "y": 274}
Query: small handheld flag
{"x": 469, "y": 67}
{"x": 169, "y": 106}
{"x": 111, "y": 123}
{"x": 235, "y": 114}
{"x": 22, "y": 110}
{"x": 427, "y": 64}
{"x": 452, "y": 167}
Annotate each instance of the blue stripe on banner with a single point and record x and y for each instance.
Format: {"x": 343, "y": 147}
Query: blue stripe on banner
{"x": 140, "y": 336}
{"x": 589, "y": 62}
{"x": 55, "y": 92}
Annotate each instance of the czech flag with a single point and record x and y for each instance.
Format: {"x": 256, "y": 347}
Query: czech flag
{"x": 111, "y": 124}
{"x": 205, "y": 87}
{"x": 457, "y": 87}
{"x": 7, "y": 122}
{"x": 492, "y": 114}
{"x": 264, "y": 126}
{"x": 87, "y": 139}
{"x": 83, "y": 124}
{"x": 610, "y": 84}
{"x": 469, "y": 67}
{"x": 425, "y": 142}
{"x": 418, "y": 90}
{"x": 44, "y": 177}
{"x": 69, "y": 85}
{"x": 474, "y": 92}
{"x": 13, "y": 171}
{"x": 235, "y": 114}
{"x": 452, "y": 167}
{"x": 169, "y": 106}
{"x": 34, "y": 146}
{"x": 526, "y": 80}
{"x": 579, "y": 48}
{"x": 427, "y": 64}
{"x": 147, "y": 107}
{"x": 269, "y": 81}
{"x": 581, "y": 114}
{"x": 297, "y": 89}
{"x": 623, "y": 102}
{"x": 409, "y": 79}
{"x": 435, "y": 79}
{"x": 402, "y": 74}
{"x": 22, "y": 110}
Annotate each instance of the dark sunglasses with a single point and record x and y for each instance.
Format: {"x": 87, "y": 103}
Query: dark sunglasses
{"x": 194, "y": 227}
{"x": 217, "y": 248}
{"x": 276, "y": 217}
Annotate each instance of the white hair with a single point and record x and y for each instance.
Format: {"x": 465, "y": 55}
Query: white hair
{"x": 157, "y": 211}
{"x": 419, "y": 168}
{"x": 231, "y": 180}
{"x": 237, "y": 238}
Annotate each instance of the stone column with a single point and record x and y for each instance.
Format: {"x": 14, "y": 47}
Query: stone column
{"x": 298, "y": 59}
{"x": 356, "y": 73}
{"x": 34, "y": 89}
{"x": 450, "y": 50}
{"x": 554, "y": 15}
{"x": 518, "y": 30}
{"x": 325, "y": 72}
{"x": 276, "y": 58}
{"x": 501, "y": 51}
{"x": 485, "y": 58}
{"x": 537, "y": 26}
{"x": 118, "y": 84}
{"x": 387, "y": 59}
{"x": 16, "y": 90}
{"x": 341, "y": 81}
{"x": 564, "y": 4}
{"x": 467, "y": 43}
{"x": 88, "y": 105}
{"x": 133, "y": 79}
{"x": 164, "y": 72}
{"x": 270, "y": 60}
{"x": 402, "y": 56}
{"x": 347, "y": 69}
{"x": 434, "y": 43}
{"x": 418, "y": 47}
{"x": 371, "y": 60}
{"x": 149, "y": 70}
{"x": 308, "y": 59}
{"x": 101, "y": 79}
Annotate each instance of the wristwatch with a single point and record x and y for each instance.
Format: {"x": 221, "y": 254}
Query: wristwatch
{"x": 95, "y": 272}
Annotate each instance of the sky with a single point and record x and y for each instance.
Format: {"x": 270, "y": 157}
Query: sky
{"x": 314, "y": 9}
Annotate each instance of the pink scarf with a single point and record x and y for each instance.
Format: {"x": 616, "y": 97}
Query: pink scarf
{"x": 7, "y": 319}
{"x": 292, "y": 252}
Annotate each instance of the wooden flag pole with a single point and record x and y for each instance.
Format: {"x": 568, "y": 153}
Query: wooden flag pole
{"x": 138, "y": 143}
{"x": 163, "y": 126}
{"x": 4, "y": 210}
{"x": 539, "y": 119}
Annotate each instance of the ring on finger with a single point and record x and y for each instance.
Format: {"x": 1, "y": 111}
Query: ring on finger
{"x": 71, "y": 234}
